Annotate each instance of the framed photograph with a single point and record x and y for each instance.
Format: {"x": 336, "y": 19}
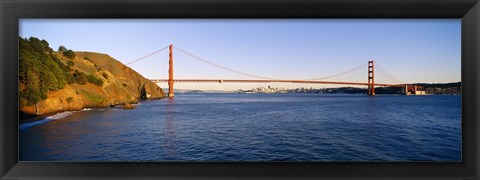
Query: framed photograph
{"x": 251, "y": 89}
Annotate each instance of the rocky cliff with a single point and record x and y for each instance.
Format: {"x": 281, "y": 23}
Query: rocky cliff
{"x": 107, "y": 82}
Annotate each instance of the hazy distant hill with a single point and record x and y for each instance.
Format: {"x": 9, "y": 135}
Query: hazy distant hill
{"x": 442, "y": 88}
{"x": 54, "y": 81}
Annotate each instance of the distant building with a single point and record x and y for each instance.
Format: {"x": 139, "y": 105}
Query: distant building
{"x": 414, "y": 90}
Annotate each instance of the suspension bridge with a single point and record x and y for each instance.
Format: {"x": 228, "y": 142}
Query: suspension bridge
{"x": 151, "y": 65}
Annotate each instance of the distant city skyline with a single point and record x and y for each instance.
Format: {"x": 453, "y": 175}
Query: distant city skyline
{"x": 414, "y": 51}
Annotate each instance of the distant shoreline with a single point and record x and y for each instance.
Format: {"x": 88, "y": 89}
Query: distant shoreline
{"x": 233, "y": 92}
{"x": 429, "y": 88}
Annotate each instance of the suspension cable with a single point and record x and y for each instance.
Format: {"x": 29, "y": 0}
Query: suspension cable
{"x": 345, "y": 72}
{"x": 393, "y": 78}
{"x": 148, "y": 55}
{"x": 219, "y": 66}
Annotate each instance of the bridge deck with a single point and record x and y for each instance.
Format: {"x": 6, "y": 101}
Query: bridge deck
{"x": 268, "y": 81}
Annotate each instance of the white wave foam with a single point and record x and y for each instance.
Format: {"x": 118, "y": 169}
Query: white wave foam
{"x": 47, "y": 119}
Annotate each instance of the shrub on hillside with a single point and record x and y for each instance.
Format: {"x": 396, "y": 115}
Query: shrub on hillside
{"x": 80, "y": 77}
{"x": 70, "y": 63}
{"x": 94, "y": 80}
{"x": 69, "y": 54}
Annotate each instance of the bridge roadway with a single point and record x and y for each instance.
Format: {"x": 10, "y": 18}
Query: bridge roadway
{"x": 269, "y": 81}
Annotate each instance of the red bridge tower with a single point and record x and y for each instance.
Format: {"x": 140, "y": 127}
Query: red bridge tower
{"x": 170, "y": 72}
{"x": 371, "y": 79}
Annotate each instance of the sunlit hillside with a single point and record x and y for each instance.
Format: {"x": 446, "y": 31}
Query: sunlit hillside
{"x": 54, "y": 81}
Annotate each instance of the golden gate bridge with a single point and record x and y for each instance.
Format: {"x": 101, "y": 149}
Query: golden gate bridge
{"x": 151, "y": 64}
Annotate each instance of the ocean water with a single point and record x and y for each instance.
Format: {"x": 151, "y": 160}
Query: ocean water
{"x": 254, "y": 127}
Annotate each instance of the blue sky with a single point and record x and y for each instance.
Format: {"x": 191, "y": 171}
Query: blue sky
{"x": 417, "y": 50}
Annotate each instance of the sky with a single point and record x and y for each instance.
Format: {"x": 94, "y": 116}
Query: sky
{"x": 413, "y": 51}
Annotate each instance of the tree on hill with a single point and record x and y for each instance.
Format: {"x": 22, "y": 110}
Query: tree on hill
{"x": 41, "y": 71}
{"x": 69, "y": 54}
{"x": 62, "y": 48}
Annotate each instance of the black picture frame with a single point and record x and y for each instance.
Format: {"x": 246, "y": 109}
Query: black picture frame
{"x": 11, "y": 11}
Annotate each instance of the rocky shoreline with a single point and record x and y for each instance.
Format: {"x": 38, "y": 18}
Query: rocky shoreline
{"x": 26, "y": 117}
